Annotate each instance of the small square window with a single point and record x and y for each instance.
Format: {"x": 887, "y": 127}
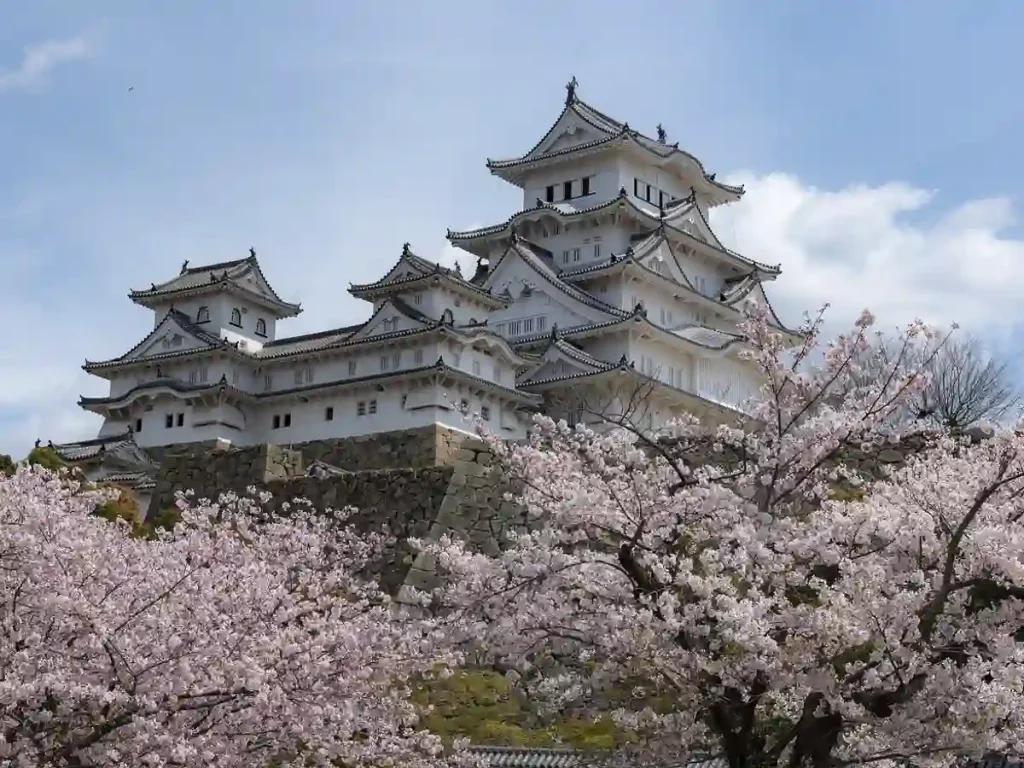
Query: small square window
{"x": 373, "y": 406}
{"x": 485, "y": 413}
{"x": 361, "y": 408}
{"x": 329, "y": 413}
{"x": 277, "y": 421}
{"x": 181, "y": 419}
{"x": 138, "y": 425}
{"x": 287, "y": 419}
{"x": 169, "y": 420}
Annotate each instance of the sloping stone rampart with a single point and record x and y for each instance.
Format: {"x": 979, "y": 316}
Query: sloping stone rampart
{"x": 463, "y": 496}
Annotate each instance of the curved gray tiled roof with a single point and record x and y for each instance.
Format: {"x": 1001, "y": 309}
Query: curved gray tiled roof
{"x": 426, "y": 269}
{"x": 524, "y": 757}
{"x": 439, "y": 367}
{"x": 623, "y": 198}
{"x": 193, "y": 278}
{"x": 87, "y": 449}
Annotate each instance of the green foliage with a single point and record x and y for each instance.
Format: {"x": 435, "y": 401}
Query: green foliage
{"x": 846, "y": 492}
{"x": 122, "y": 507}
{"x": 164, "y": 520}
{"x": 7, "y": 465}
{"x": 482, "y": 706}
{"x": 46, "y": 457}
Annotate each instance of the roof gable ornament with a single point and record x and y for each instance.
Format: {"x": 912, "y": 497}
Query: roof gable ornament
{"x": 662, "y": 136}
{"x": 554, "y": 331}
{"x": 406, "y": 249}
{"x": 184, "y": 267}
{"x": 570, "y": 91}
{"x": 252, "y": 253}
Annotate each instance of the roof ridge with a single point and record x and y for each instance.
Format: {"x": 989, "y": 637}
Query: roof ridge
{"x": 217, "y": 265}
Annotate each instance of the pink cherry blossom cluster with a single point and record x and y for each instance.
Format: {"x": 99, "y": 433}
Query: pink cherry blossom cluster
{"x": 741, "y": 606}
{"x": 238, "y": 639}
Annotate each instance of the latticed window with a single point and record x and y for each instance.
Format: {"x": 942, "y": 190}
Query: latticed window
{"x": 236, "y": 317}
{"x": 261, "y": 327}
{"x": 203, "y": 315}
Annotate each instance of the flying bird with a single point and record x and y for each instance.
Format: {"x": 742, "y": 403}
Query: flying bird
{"x": 131, "y": 88}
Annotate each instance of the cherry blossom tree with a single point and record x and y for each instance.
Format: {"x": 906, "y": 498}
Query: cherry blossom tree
{"x": 238, "y": 639}
{"x": 769, "y": 601}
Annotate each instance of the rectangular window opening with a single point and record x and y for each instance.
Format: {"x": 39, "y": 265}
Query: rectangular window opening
{"x": 287, "y": 419}
{"x": 549, "y": 194}
{"x": 361, "y": 408}
{"x": 329, "y": 413}
{"x": 277, "y": 421}
{"x": 567, "y": 190}
{"x": 373, "y": 406}
{"x": 586, "y": 187}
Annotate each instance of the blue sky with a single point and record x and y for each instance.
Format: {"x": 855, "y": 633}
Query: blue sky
{"x": 880, "y": 143}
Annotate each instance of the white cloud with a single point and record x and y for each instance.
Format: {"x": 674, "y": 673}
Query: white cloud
{"x": 889, "y": 248}
{"x": 451, "y": 256}
{"x": 41, "y": 59}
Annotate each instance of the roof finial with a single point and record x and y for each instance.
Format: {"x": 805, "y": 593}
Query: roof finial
{"x": 570, "y": 91}
{"x": 554, "y": 331}
{"x": 184, "y": 266}
{"x": 662, "y": 136}
{"x": 252, "y": 253}
{"x": 406, "y": 249}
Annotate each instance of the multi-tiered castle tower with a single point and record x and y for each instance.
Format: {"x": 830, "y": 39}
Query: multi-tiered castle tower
{"x": 606, "y": 296}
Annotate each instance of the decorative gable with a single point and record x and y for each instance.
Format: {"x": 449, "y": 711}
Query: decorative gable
{"x": 389, "y": 319}
{"x": 523, "y": 276}
{"x": 561, "y": 360}
{"x": 660, "y": 258}
{"x": 172, "y": 335}
{"x": 573, "y": 133}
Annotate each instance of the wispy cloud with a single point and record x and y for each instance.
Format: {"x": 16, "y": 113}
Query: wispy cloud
{"x": 40, "y": 60}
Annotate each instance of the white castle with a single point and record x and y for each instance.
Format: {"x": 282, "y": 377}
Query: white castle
{"x": 608, "y": 282}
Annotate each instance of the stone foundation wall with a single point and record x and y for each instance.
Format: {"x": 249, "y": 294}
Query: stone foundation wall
{"x": 406, "y": 449}
{"x": 464, "y": 498}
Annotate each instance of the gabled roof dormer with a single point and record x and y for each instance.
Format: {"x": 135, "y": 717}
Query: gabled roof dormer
{"x": 538, "y": 262}
{"x": 392, "y": 316}
{"x": 174, "y": 336}
{"x": 242, "y": 277}
{"x": 561, "y": 360}
{"x": 413, "y": 272}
